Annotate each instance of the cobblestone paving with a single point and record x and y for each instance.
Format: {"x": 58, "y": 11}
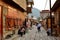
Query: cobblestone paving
{"x": 35, "y": 35}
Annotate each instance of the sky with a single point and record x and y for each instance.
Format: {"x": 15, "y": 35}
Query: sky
{"x": 40, "y": 4}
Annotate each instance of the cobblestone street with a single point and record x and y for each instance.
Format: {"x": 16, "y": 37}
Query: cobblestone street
{"x": 35, "y": 35}
{"x": 29, "y": 19}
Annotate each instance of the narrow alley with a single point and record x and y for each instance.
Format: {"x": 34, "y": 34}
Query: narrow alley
{"x": 35, "y": 35}
{"x": 29, "y": 19}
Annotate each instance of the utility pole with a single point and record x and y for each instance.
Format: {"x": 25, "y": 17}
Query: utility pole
{"x": 50, "y": 16}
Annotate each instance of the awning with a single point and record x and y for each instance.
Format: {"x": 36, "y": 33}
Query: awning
{"x": 21, "y": 3}
{"x": 13, "y": 4}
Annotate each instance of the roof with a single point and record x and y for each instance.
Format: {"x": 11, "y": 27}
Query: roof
{"x": 45, "y": 11}
{"x": 13, "y": 4}
{"x": 56, "y": 5}
{"x": 21, "y": 3}
{"x": 30, "y": 1}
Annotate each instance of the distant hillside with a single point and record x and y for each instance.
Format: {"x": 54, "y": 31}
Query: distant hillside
{"x": 35, "y": 13}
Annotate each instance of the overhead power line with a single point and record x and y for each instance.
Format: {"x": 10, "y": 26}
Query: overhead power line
{"x": 45, "y": 4}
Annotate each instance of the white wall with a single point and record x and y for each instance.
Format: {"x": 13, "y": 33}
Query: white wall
{"x": 44, "y": 15}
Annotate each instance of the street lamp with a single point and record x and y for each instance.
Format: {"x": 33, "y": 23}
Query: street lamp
{"x": 29, "y": 5}
{"x": 52, "y": 14}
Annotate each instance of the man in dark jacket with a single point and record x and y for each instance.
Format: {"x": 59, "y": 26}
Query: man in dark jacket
{"x": 21, "y": 31}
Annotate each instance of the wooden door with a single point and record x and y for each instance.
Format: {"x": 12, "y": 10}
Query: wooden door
{"x": 1, "y": 27}
{"x": 49, "y": 22}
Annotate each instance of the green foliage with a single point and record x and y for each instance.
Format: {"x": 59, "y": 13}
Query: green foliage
{"x": 38, "y": 18}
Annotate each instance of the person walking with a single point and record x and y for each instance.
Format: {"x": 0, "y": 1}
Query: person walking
{"x": 49, "y": 31}
{"x": 21, "y": 31}
{"x": 38, "y": 26}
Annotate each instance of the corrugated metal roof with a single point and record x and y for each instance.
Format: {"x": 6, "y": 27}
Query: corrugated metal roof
{"x": 45, "y": 11}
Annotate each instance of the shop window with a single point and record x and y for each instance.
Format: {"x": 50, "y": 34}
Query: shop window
{"x": 9, "y": 23}
{"x": 12, "y": 14}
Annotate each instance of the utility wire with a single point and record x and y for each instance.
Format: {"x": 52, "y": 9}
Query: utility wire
{"x": 45, "y": 4}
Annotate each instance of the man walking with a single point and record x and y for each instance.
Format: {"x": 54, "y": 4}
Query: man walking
{"x": 38, "y": 26}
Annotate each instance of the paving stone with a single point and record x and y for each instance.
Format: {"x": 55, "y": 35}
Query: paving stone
{"x": 35, "y": 35}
